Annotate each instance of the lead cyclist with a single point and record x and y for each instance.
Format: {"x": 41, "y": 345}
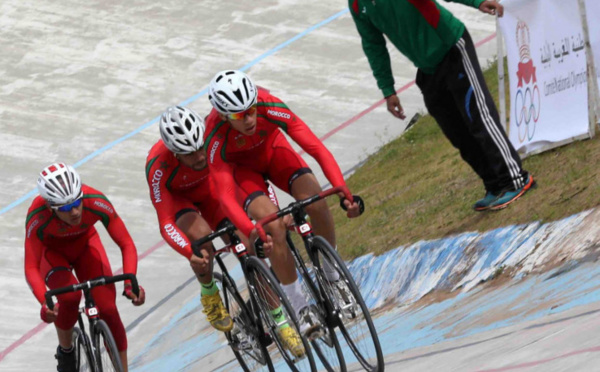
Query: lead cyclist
{"x": 245, "y": 130}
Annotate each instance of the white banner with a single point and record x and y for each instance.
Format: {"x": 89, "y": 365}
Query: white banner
{"x": 547, "y": 72}
{"x": 593, "y": 9}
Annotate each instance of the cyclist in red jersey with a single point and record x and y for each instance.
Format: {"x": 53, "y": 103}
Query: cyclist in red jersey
{"x": 186, "y": 206}
{"x": 245, "y": 129}
{"x": 61, "y": 238}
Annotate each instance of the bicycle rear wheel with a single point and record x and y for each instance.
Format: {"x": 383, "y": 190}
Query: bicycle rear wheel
{"x": 247, "y": 344}
{"x": 356, "y": 324}
{"x": 83, "y": 351}
{"x": 107, "y": 354}
{"x": 268, "y": 295}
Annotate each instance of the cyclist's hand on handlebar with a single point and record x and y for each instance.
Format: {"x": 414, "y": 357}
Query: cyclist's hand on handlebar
{"x": 354, "y": 208}
{"x": 47, "y": 315}
{"x": 135, "y": 300}
{"x": 262, "y": 249}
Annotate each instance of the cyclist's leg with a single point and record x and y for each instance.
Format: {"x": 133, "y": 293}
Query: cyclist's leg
{"x": 289, "y": 172}
{"x": 92, "y": 263}
{"x": 54, "y": 267}
{"x": 260, "y": 204}
{"x": 195, "y": 226}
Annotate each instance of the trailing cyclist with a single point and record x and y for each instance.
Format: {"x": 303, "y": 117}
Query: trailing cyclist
{"x": 187, "y": 208}
{"x": 244, "y": 132}
{"x": 61, "y": 241}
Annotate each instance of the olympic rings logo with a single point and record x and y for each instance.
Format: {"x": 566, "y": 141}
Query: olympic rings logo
{"x": 527, "y": 111}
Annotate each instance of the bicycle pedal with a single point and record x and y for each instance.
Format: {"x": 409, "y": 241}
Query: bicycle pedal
{"x": 241, "y": 346}
{"x": 315, "y": 332}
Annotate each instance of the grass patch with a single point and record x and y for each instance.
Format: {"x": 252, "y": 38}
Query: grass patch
{"x": 418, "y": 187}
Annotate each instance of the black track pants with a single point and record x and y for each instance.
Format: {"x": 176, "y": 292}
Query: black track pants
{"x": 458, "y": 98}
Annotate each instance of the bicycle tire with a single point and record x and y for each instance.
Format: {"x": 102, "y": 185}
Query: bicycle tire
{"x": 247, "y": 334}
{"x": 107, "y": 354}
{"x": 326, "y": 346}
{"x": 83, "y": 351}
{"x": 259, "y": 277}
{"x": 352, "y": 312}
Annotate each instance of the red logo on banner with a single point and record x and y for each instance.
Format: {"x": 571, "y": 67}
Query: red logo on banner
{"x": 527, "y": 98}
{"x": 526, "y": 70}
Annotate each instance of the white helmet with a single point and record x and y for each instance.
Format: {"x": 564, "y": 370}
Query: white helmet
{"x": 59, "y": 184}
{"x": 231, "y": 92}
{"x": 181, "y": 129}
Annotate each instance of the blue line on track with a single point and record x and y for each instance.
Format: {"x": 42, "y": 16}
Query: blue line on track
{"x": 184, "y": 103}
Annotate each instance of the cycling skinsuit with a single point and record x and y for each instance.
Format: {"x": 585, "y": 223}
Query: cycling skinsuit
{"x": 267, "y": 153}
{"x": 176, "y": 189}
{"x": 53, "y": 248}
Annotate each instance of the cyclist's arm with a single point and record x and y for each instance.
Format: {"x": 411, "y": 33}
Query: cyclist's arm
{"x": 118, "y": 232}
{"x": 163, "y": 201}
{"x": 33, "y": 256}
{"x": 222, "y": 180}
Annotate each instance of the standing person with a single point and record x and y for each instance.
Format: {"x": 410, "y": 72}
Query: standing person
{"x": 61, "y": 239}
{"x": 244, "y": 131}
{"x": 186, "y": 207}
{"x": 452, "y": 84}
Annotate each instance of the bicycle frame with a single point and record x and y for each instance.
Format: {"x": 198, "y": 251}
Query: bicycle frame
{"x": 90, "y": 305}
{"x": 240, "y": 250}
{"x": 90, "y": 309}
{"x": 304, "y": 229}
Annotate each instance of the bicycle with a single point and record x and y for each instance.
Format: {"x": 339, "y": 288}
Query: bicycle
{"x": 98, "y": 351}
{"x": 339, "y": 302}
{"x": 254, "y": 327}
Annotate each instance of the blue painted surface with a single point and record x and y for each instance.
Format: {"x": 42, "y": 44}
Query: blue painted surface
{"x": 457, "y": 264}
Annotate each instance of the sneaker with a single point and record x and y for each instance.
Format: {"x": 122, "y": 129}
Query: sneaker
{"x": 310, "y": 324}
{"x": 485, "y": 203}
{"x": 66, "y": 361}
{"x": 507, "y": 197}
{"x": 216, "y": 313}
{"x": 292, "y": 341}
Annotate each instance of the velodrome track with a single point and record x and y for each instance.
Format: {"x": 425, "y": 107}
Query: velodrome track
{"x": 85, "y": 82}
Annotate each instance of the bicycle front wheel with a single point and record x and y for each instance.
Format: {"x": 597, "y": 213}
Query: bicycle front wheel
{"x": 356, "y": 324}
{"x": 269, "y": 297}
{"x": 247, "y": 338}
{"x": 327, "y": 346}
{"x": 107, "y": 354}
{"x": 83, "y": 351}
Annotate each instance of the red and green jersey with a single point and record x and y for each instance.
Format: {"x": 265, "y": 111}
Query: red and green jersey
{"x": 422, "y": 30}
{"x": 168, "y": 180}
{"x": 45, "y": 231}
{"x": 226, "y": 146}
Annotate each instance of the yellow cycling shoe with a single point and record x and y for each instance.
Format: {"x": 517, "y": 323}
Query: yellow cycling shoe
{"x": 291, "y": 341}
{"x": 216, "y": 313}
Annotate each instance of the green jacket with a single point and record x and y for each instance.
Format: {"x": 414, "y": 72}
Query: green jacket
{"x": 422, "y": 30}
